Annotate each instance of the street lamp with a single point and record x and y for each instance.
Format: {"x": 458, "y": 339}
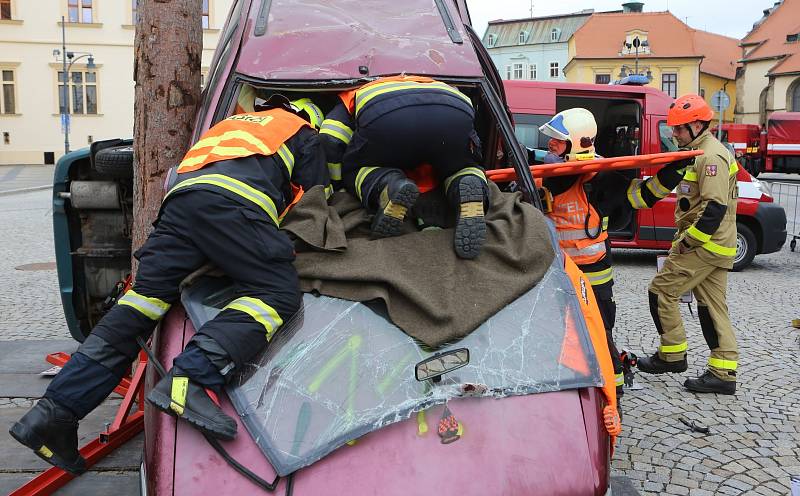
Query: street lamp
{"x": 635, "y": 43}
{"x": 65, "y": 88}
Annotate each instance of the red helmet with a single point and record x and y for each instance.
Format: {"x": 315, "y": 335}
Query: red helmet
{"x": 689, "y": 108}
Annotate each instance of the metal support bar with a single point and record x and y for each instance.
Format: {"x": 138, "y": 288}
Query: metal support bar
{"x": 125, "y": 426}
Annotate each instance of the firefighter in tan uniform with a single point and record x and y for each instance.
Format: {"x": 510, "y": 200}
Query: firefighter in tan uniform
{"x": 701, "y": 255}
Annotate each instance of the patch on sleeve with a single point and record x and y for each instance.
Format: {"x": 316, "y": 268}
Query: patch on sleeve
{"x": 711, "y": 170}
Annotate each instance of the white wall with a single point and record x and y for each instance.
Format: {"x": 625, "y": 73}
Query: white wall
{"x": 541, "y": 55}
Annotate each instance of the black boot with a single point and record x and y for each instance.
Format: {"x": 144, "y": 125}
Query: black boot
{"x": 470, "y": 224}
{"x": 396, "y": 198}
{"x": 655, "y": 365}
{"x": 178, "y": 396}
{"x": 709, "y": 383}
{"x": 51, "y": 431}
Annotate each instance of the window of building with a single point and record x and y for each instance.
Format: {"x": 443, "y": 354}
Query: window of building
{"x": 555, "y": 33}
{"x": 81, "y": 92}
{"x": 8, "y": 101}
{"x": 554, "y": 69}
{"x": 792, "y": 38}
{"x": 523, "y": 37}
{"x": 79, "y": 11}
{"x": 508, "y": 72}
{"x": 602, "y": 78}
{"x": 795, "y": 107}
{"x": 669, "y": 84}
{"x": 702, "y": 92}
{"x": 206, "y": 18}
{"x": 5, "y": 10}
{"x": 491, "y": 40}
{"x": 518, "y": 71}
{"x": 134, "y": 6}
{"x": 533, "y": 71}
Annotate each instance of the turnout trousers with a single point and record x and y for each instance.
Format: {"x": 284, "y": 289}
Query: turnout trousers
{"x": 440, "y": 135}
{"x": 601, "y": 278}
{"x": 194, "y": 228}
{"x": 681, "y": 273}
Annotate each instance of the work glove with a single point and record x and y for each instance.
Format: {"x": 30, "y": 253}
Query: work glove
{"x": 672, "y": 174}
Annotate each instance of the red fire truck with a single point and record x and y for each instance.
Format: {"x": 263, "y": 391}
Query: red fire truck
{"x": 774, "y": 149}
{"x": 632, "y": 120}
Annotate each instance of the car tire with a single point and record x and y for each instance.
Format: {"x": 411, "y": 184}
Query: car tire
{"x": 745, "y": 247}
{"x": 116, "y": 162}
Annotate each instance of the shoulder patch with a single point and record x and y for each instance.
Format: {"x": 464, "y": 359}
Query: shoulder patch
{"x": 711, "y": 170}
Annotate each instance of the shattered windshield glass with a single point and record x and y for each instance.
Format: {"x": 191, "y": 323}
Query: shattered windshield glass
{"x": 340, "y": 369}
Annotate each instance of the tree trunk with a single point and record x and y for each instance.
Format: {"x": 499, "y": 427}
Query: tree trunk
{"x": 168, "y": 51}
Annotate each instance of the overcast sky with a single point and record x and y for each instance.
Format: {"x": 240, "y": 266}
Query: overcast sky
{"x": 732, "y": 18}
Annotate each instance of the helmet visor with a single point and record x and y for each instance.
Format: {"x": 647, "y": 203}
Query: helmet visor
{"x": 555, "y": 128}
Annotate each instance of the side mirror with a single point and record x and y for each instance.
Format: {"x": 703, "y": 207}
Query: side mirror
{"x": 441, "y": 363}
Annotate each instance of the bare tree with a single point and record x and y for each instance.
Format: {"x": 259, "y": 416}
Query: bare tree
{"x": 168, "y": 50}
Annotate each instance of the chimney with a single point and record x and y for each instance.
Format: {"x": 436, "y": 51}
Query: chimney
{"x": 629, "y": 7}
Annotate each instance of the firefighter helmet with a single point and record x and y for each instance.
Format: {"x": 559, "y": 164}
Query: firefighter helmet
{"x": 576, "y": 126}
{"x": 689, "y": 108}
{"x": 313, "y": 114}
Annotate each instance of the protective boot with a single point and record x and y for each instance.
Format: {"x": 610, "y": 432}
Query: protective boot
{"x": 655, "y": 365}
{"x": 470, "y": 232}
{"x": 709, "y": 383}
{"x": 396, "y": 198}
{"x": 51, "y": 431}
{"x": 176, "y": 395}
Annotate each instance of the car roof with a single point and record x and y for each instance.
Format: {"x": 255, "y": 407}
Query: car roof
{"x": 333, "y": 39}
{"x": 538, "y": 94}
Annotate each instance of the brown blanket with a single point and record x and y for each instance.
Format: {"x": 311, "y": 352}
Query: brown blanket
{"x": 429, "y": 293}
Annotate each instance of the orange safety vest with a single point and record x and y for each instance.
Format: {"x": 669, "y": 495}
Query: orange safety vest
{"x": 570, "y": 209}
{"x": 349, "y": 97}
{"x": 243, "y": 135}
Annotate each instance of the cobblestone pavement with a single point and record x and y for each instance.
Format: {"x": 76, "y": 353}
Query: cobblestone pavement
{"x": 754, "y": 443}
{"x": 25, "y": 176}
{"x": 30, "y": 304}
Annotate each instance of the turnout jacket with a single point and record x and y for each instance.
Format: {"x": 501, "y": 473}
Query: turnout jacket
{"x": 253, "y": 159}
{"x": 705, "y": 213}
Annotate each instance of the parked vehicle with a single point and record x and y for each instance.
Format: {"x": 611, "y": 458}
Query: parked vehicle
{"x": 775, "y": 148}
{"x": 631, "y": 121}
{"x": 537, "y": 430}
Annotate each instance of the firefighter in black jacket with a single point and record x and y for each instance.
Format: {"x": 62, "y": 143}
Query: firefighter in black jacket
{"x": 224, "y": 209}
{"x": 582, "y": 204}
{"x": 395, "y": 124}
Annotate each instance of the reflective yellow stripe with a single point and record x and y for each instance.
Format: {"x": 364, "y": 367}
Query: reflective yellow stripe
{"x": 619, "y": 379}
{"x": 288, "y": 158}
{"x": 422, "y": 424}
{"x": 605, "y": 223}
{"x": 328, "y": 191}
{"x": 221, "y": 151}
{"x": 178, "y": 392}
{"x": 365, "y": 95}
{"x": 718, "y": 363}
{"x": 690, "y": 176}
{"x": 719, "y": 249}
{"x": 733, "y": 168}
{"x": 45, "y": 451}
{"x": 362, "y": 174}
{"x": 231, "y": 135}
{"x": 152, "y": 308}
{"x": 594, "y": 249}
{"x": 234, "y": 186}
{"x": 260, "y": 311}
{"x": 635, "y": 194}
{"x": 673, "y": 348}
{"x": 337, "y": 129}
{"x": 655, "y": 187}
{"x": 467, "y": 171}
{"x": 335, "y": 170}
{"x": 600, "y": 277}
{"x": 698, "y": 234}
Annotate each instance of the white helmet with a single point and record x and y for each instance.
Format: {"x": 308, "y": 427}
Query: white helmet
{"x": 575, "y": 125}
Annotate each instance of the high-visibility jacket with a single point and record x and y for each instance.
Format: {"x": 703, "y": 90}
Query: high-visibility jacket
{"x": 251, "y": 157}
{"x": 579, "y": 227}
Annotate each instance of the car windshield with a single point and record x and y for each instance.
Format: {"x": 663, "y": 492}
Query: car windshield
{"x": 341, "y": 369}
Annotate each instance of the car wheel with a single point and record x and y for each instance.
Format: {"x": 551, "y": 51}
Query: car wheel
{"x": 116, "y": 162}
{"x": 745, "y": 247}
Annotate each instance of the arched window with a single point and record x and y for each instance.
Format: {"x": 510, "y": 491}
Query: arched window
{"x": 490, "y": 41}
{"x": 794, "y": 96}
{"x": 523, "y": 37}
{"x": 762, "y": 106}
{"x": 554, "y": 34}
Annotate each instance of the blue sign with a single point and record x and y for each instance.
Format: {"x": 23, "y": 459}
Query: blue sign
{"x": 64, "y": 123}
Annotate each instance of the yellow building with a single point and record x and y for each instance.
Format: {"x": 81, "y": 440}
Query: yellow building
{"x": 99, "y": 35}
{"x": 674, "y": 57}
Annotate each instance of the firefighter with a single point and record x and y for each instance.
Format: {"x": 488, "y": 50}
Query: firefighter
{"x": 393, "y": 125}
{"x": 702, "y": 253}
{"x": 581, "y": 205}
{"x": 224, "y": 208}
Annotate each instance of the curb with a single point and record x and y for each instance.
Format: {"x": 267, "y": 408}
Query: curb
{"x": 25, "y": 190}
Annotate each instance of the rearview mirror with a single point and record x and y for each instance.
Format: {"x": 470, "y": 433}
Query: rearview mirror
{"x": 441, "y": 363}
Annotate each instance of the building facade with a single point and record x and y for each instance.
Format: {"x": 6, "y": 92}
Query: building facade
{"x": 99, "y": 37}
{"x": 533, "y": 49}
{"x": 769, "y": 77}
{"x": 674, "y": 57}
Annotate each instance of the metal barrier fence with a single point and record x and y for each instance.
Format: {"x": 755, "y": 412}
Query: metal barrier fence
{"x": 788, "y": 196}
